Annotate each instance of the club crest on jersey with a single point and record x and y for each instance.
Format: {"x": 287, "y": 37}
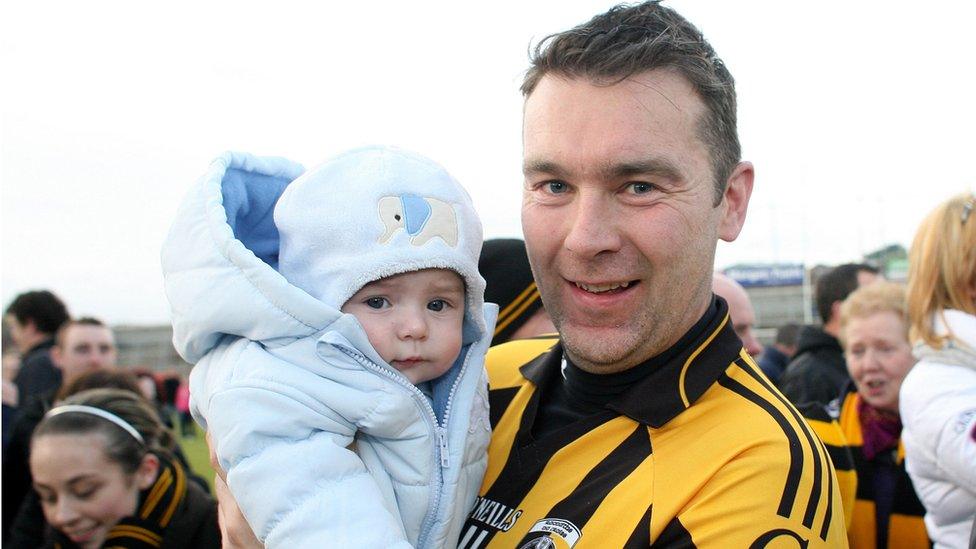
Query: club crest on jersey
{"x": 552, "y": 533}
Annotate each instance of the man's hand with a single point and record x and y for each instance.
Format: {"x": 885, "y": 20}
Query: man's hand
{"x": 234, "y": 529}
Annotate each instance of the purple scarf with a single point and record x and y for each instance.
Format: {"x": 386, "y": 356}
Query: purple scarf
{"x": 879, "y": 430}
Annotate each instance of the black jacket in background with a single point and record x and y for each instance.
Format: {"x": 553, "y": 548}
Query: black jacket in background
{"x": 37, "y": 374}
{"x": 773, "y": 363}
{"x": 818, "y": 371}
{"x": 17, "y": 481}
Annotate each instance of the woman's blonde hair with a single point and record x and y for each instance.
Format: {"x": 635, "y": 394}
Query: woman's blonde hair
{"x": 878, "y": 297}
{"x": 942, "y": 267}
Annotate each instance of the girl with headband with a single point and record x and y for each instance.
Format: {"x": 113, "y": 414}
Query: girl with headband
{"x": 104, "y": 472}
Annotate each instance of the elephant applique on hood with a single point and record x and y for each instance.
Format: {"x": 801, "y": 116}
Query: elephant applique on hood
{"x": 423, "y": 218}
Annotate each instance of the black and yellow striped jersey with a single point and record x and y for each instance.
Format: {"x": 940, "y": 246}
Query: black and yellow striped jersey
{"x": 825, "y": 425}
{"x": 702, "y": 452}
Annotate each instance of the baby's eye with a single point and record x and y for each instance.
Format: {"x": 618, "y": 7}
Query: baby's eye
{"x": 437, "y": 305}
{"x": 376, "y": 302}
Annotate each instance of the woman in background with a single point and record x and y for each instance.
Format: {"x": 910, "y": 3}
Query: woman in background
{"x": 887, "y": 513}
{"x": 938, "y": 397}
{"x": 103, "y": 468}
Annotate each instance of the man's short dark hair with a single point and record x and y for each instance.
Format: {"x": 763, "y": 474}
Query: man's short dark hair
{"x": 83, "y": 321}
{"x": 41, "y": 307}
{"x": 629, "y": 40}
{"x": 787, "y": 334}
{"x": 837, "y": 284}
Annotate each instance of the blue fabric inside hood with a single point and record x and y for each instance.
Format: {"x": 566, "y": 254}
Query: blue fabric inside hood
{"x": 249, "y": 201}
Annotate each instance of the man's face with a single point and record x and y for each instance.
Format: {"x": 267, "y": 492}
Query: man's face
{"x": 867, "y": 277}
{"x": 741, "y": 313}
{"x": 84, "y": 348}
{"x": 618, "y": 214}
{"x": 17, "y": 331}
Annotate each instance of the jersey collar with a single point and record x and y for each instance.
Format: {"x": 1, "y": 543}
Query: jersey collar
{"x": 674, "y": 386}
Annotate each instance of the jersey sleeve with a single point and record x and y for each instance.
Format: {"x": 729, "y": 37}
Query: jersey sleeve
{"x": 734, "y": 508}
{"x": 838, "y": 448}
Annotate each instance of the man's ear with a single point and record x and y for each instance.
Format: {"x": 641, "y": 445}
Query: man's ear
{"x": 835, "y": 311}
{"x": 57, "y": 355}
{"x": 735, "y": 201}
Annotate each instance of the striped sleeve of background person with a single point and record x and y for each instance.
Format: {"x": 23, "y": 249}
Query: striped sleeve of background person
{"x": 704, "y": 452}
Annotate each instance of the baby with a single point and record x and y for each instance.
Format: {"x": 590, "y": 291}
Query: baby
{"x": 339, "y": 344}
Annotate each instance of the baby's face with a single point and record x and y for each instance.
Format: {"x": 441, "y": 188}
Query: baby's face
{"x": 413, "y": 320}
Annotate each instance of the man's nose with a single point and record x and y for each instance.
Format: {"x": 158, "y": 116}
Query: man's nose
{"x": 752, "y": 345}
{"x": 592, "y": 228}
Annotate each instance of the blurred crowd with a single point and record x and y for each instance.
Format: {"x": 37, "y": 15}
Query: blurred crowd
{"x": 887, "y": 378}
{"x": 59, "y": 495}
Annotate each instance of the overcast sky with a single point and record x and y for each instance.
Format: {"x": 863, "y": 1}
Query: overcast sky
{"x": 859, "y": 117}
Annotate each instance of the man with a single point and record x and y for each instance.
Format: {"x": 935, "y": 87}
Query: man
{"x": 818, "y": 371}
{"x": 81, "y": 346}
{"x": 741, "y": 313}
{"x": 632, "y": 174}
{"x": 775, "y": 357}
{"x": 32, "y": 318}
{"x": 645, "y": 422}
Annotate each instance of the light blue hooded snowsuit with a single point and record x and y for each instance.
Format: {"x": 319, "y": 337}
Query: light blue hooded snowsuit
{"x": 324, "y": 443}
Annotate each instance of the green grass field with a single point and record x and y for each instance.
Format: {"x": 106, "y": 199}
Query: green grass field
{"x": 195, "y": 449}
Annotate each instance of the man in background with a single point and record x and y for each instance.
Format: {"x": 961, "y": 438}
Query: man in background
{"x": 776, "y": 356}
{"x": 80, "y": 346}
{"x": 32, "y": 319}
{"x": 818, "y": 371}
{"x": 741, "y": 312}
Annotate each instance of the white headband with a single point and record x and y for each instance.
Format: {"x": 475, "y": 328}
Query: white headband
{"x": 105, "y": 414}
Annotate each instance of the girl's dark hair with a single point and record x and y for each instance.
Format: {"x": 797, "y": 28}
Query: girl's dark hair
{"x": 101, "y": 379}
{"x": 120, "y": 447}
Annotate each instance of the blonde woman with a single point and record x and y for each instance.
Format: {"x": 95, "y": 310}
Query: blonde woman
{"x": 938, "y": 397}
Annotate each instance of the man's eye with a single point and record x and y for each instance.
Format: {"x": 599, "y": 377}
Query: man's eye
{"x": 556, "y": 187}
{"x": 437, "y": 305}
{"x": 641, "y": 188}
{"x": 376, "y": 302}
